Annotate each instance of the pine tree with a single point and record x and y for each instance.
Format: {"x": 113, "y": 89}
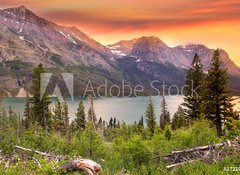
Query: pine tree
{"x": 100, "y": 123}
{"x": 233, "y": 125}
{"x": 114, "y": 122}
{"x": 165, "y": 115}
{"x": 194, "y": 89}
{"x": 80, "y": 120}
{"x": 94, "y": 142}
{"x": 217, "y": 101}
{"x": 141, "y": 125}
{"x": 40, "y": 106}
{"x": 118, "y": 124}
{"x": 150, "y": 117}
{"x": 179, "y": 119}
{"x": 168, "y": 132}
{"x": 65, "y": 117}
{"x": 58, "y": 120}
{"x": 110, "y": 125}
{"x": 141, "y": 122}
{"x": 27, "y": 113}
{"x": 91, "y": 113}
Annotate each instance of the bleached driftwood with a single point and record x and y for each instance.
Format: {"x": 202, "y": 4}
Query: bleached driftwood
{"x": 37, "y": 162}
{"x": 208, "y": 153}
{"x": 33, "y": 151}
{"x": 182, "y": 163}
{"x": 49, "y": 156}
{"x": 87, "y": 165}
{"x": 201, "y": 148}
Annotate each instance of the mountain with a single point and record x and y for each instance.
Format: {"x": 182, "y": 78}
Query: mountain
{"x": 155, "y": 50}
{"x": 122, "y": 48}
{"x": 40, "y": 41}
{"x": 152, "y": 57}
{"x": 27, "y": 40}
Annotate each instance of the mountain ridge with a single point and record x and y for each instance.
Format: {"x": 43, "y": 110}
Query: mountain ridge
{"x": 181, "y": 56}
{"x": 47, "y": 38}
{"x": 27, "y": 40}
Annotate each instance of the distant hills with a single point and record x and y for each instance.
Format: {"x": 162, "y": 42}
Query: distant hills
{"x": 27, "y": 40}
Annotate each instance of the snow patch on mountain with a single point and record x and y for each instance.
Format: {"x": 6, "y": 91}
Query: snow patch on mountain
{"x": 68, "y": 36}
{"x": 21, "y": 38}
{"x": 115, "y": 50}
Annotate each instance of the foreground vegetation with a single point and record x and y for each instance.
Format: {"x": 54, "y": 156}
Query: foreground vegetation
{"x": 206, "y": 117}
{"x": 125, "y": 148}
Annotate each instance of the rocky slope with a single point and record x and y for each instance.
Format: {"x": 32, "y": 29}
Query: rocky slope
{"x": 27, "y": 40}
{"x": 36, "y": 40}
{"x": 155, "y": 50}
{"x": 122, "y": 48}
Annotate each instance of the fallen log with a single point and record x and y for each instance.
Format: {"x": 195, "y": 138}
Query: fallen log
{"x": 201, "y": 148}
{"x": 208, "y": 153}
{"x": 36, "y": 152}
{"x": 87, "y": 165}
{"x": 182, "y": 163}
{"x": 49, "y": 156}
{"x": 37, "y": 162}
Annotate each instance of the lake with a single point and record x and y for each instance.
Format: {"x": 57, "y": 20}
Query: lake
{"x": 128, "y": 109}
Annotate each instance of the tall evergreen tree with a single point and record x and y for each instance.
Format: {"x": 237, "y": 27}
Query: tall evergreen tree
{"x": 232, "y": 127}
{"x": 141, "y": 122}
{"x": 179, "y": 119}
{"x": 114, "y": 122}
{"x": 40, "y": 106}
{"x": 168, "y": 132}
{"x": 150, "y": 117}
{"x": 80, "y": 120}
{"x": 58, "y": 120}
{"x": 165, "y": 115}
{"x": 100, "y": 123}
{"x": 91, "y": 113}
{"x": 194, "y": 89}
{"x": 217, "y": 101}
{"x": 110, "y": 125}
{"x": 27, "y": 112}
{"x": 94, "y": 145}
{"x": 65, "y": 116}
{"x": 140, "y": 125}
{"x": 118, "y": 124}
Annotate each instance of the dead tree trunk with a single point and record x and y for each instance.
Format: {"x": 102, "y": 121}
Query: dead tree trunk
{"x": 87, "y": 165}
{"x": 208, "y": 153}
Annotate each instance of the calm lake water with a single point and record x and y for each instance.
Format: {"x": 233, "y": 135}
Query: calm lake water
{"x": 128, "y": 109}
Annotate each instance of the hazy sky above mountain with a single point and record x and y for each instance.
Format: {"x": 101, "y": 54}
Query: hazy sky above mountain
{"x": 215, "y": 23}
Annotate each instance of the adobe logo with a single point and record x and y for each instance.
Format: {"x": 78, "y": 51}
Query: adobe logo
{"x": 45, "y": 80}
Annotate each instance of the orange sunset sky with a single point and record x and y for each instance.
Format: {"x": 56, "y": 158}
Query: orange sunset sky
{"x": 215, "y": 23}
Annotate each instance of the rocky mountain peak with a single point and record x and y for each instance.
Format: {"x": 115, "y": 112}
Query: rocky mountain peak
{"x": 22, "y": 14}
{"x": 151, "y": 48}
{"x": 152, "y": 41}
